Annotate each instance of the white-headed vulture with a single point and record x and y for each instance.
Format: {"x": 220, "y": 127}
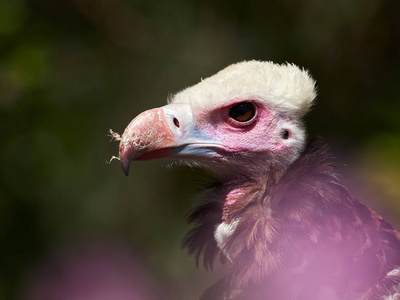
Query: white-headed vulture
{"x": 279, "y": 217}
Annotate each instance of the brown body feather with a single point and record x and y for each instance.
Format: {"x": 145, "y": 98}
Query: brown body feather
{"x": 299, "y": 236}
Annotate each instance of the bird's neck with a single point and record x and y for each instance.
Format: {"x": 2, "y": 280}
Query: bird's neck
{"x": 238, "y": 196}
{"x": 233, "y": 198}
{"x": 240, "y": 190}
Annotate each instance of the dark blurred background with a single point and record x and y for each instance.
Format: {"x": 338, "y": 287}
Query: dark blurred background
{"x": 74, "y": 227}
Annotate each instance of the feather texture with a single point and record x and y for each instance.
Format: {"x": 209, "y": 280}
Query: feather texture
{"x": 301, "y": 236}
{"x": 286, "y": 88}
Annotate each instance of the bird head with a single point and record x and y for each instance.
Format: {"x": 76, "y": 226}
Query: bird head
{"x": 244, "y": 119}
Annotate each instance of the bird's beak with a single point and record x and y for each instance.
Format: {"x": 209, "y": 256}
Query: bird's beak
{"x": 168, "y": 131}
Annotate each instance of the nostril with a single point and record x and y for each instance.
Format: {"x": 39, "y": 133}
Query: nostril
{"x": 176, "y": 122}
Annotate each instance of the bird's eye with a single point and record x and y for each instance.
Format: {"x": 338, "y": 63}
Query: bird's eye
{"x": 243, "y": 112}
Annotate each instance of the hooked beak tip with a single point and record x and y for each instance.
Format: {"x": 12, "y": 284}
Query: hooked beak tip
{"x": 125, "y": 167}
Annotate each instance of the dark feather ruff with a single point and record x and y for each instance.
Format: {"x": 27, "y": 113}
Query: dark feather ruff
{"x": 302, "y": 236}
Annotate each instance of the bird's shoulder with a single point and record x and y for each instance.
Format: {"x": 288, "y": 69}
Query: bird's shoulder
{"x": 309, "y": 223}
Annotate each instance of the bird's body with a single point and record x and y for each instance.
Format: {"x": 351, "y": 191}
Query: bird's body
{"x": 300, "y": 236}
{"x": 284, "y": 224}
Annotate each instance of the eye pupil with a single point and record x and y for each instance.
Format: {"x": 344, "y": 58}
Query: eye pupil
{"x": 242, "y": 112}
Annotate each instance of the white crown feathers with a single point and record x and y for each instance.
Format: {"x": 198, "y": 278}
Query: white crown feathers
{"x": 285, "y": 88}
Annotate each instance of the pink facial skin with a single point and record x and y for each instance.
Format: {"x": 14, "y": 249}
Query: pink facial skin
{"x": 258, "y": 134}
{"x": 234, "y": 196}
{"x": 176, "y": 131}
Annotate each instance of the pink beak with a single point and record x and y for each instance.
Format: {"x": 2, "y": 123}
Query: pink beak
{"x": 147, "y": 136}
{"x": 168, "y": 131}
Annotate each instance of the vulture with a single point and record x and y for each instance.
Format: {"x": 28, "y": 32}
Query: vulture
{"x": 278, "y": 217}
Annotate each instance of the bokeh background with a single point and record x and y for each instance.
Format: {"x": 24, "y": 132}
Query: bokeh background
{"x": 73, "y": 226}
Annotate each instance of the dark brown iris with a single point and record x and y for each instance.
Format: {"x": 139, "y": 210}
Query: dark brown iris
{"x": 243, "y": 112}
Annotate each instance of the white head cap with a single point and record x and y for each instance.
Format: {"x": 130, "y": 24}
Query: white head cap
{"x": 285, "y": 88}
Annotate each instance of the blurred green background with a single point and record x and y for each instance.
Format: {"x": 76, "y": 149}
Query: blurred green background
{"x": 71, "y": 70}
